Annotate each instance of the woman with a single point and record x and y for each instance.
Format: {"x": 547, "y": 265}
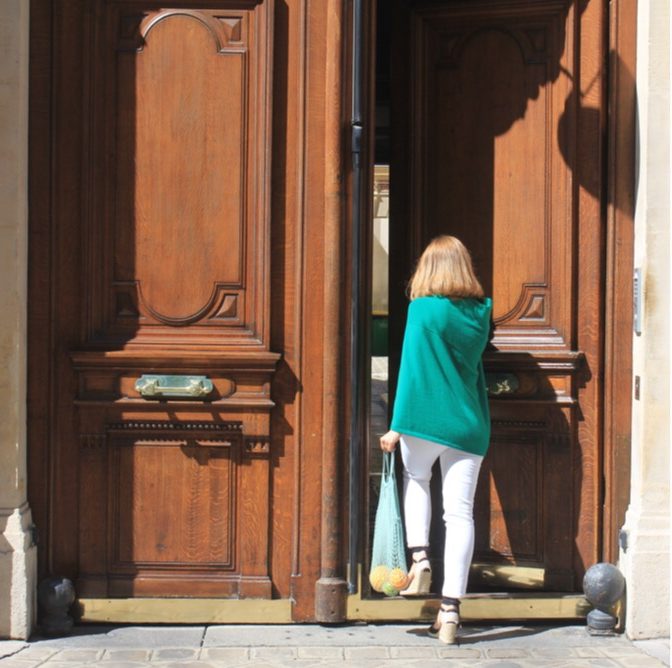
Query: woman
{"x": 441, "y": 412}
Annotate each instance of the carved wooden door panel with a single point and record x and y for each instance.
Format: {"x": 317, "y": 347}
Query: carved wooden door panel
{"x": 497, "y": 121}
{"x": 161, "y": 257}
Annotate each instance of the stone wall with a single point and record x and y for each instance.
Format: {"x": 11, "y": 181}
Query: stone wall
{"x": 645, "y": 554}
{"x": 17, "y": 553}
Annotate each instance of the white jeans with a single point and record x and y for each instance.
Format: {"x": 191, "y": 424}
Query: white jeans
{"x": 459, "y": 472}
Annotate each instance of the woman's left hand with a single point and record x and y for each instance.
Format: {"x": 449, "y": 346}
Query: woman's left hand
{"x": 388, "y": 442}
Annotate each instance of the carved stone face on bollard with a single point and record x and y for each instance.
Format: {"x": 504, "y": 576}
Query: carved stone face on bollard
{"x": 55, "y": 596}
{"x": 603, "y": 585}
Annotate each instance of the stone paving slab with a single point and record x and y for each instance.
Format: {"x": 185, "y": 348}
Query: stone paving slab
{"x": 659, "y": 648}
{"x": 351, "y": 660}
{"x": 9, "y": 647}
{"x": 401, "y": 635}
{"x": 313, "y": 646}
{"x": 105, "y": 637}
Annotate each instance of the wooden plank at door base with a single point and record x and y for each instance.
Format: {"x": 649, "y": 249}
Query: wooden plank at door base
{"x": 491, "y": 606}
{"x": 184, "y": 611}
{"x": 475, "y": 607}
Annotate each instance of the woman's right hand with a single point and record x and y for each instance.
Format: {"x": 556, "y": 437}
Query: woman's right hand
{"x": 388, "y": 442}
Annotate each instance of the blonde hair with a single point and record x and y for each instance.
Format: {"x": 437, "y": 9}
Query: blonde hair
{"x": 445, "y": 269}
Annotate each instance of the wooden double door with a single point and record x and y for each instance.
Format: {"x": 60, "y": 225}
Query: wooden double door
{"x": 187, "y": 312}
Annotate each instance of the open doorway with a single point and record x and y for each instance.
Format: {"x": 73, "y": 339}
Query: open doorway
{"x": 480, "y": 107}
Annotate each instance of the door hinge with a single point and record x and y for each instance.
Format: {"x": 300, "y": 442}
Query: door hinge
{"x": 623, "y": 539}
{"x": 356, "y": 145}
{"x": 637, "y": 301}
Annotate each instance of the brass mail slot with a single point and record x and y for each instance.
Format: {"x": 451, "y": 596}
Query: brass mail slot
{"x": 159, "y": 386}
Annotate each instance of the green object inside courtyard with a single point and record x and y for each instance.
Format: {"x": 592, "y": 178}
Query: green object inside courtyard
{"x": 379, "y": 328}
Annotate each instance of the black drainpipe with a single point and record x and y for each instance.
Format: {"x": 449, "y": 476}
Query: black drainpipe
{"x": 355, "y": 315}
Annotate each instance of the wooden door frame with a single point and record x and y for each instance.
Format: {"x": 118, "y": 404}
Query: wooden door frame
{"x": 328, "y": 239}
{"x": 618, "y": 334}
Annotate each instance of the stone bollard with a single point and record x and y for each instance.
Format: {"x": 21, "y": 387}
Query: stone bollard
{"x": 55, "y": 596}
{"x": 603, "y": 585}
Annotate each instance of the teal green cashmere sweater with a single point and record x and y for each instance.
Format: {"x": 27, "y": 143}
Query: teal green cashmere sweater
{"x": 441, "y": 392}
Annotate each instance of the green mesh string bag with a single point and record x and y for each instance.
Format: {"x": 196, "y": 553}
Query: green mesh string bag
{"x": 388, "y": 573}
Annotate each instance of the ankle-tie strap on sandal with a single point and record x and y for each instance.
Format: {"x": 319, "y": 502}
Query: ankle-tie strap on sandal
{"x": 447, "y": 623}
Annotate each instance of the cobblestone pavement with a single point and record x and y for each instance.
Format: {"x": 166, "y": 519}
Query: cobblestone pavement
{"x": 366, "y": 645}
